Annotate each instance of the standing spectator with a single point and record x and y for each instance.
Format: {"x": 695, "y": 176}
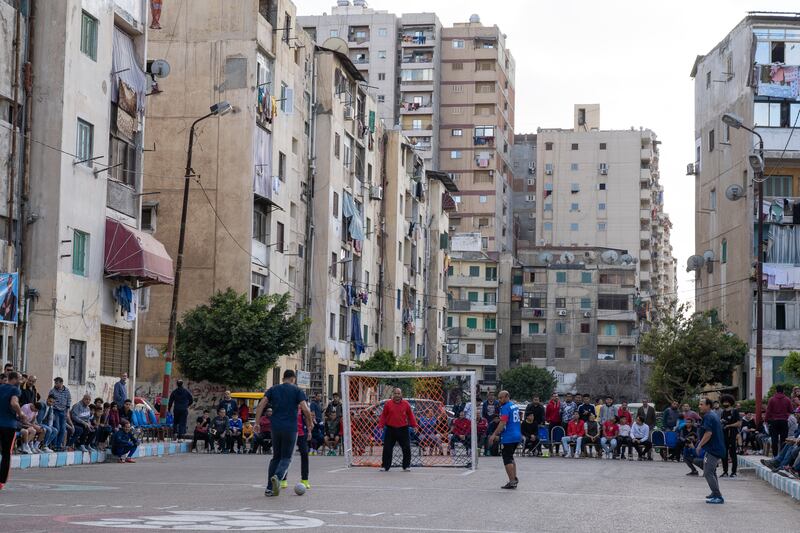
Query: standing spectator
{"x": 586, "y": 408}
{"x": 316, "y": 408}
{"x": 552, "y": 412}
{"x": 121, "y": 389}
{"x": 712, "y": 441}
{"x": 219, "y": 430}
{"x": 235, "y": 433}
{"x": 779, "y": 409}
{"x": 179, "y": 402}
{"x": 45, "y": 419}
{"x": 567, "y": 408}
{"x": 124, "y": 444}
{"x": 482, "y": 429}
{"x": 575, "y": 432}
{"x": 731, "y": 423}
{"x": 9, "y": 411}
{"x": 80, "y": 415}
{"x": 335, "y": 406}
{"x": 8, "y": 367}
{"x": 610, "y": 436}
{"x": 687, "y": 413}
{"x": 29, "y": 394}
{"x": 3, "y": 379}
{"x": 687, "y": 440}
{"x": 244, "y": 411}
{"x": 201, "y": 432}
{"x": 670, "y": 417}
{"x": 530, "y": 432}
{"x": 397, "y": 417}
{"x": 490, "y": 407}
{"x": 462, "y": 430}
{"x": 458, "y": 405}
{"x": 536, "y": 409}
{"x": 624, "y": 414}
{"x": 648, "y": 414}
{"x": 592, "y": 436}
{"x": 227, "y": 403}
{"x": 607, "y": 411}
{"x": 63, "y": 401}
{"x": 640, "y": 438}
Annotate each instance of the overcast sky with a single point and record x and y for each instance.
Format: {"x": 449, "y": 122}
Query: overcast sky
{"x": 631, "y": 57}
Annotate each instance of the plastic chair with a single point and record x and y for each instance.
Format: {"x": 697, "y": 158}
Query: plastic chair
{"x": 659, "y": 443}
{"x": 544, "y": 438}
{"x": 556, "y": 434}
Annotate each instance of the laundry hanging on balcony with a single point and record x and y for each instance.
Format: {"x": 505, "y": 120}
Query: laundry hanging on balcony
{"x": 125, "y": 68}
{"x": 356, "y": 226}
{"x": 781, "y": 276}
{"x": 355, "y": 333}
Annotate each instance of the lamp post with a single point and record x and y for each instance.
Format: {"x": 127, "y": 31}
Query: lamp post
{"x": 218, "y": 109}
{"x": 757, "y": 163}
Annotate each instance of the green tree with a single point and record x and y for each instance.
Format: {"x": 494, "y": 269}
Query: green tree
{"x": 234, "y": 342}
{"x": 791, "y": 365}
{"x": 523, "y": 382}
{"x": 689, "y": 351}
{"x": 387, "y": 361}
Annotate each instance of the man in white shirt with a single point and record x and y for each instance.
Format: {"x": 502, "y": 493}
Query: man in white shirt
{"x": 640, "y": 433}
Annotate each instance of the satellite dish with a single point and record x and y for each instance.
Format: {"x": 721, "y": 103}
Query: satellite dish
{"x": 567, "y": 257}
{"x": 626, "y": 259}
{"x": 337, "y": 44}
{"x": 159, "y": 68}
{"x": 609, "y": 257}
{"x": 708, "y": 256}
{"x": 546, "y": 258}
{"x": 694, "y": 262}
{"x": 734, "y": 192}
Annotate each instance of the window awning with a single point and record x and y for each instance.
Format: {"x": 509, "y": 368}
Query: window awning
{"x": 134, "y": 254}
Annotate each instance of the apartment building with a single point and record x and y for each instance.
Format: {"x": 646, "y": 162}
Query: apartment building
{"x": 399, "y": 58}
{"x": 523, "y": 190}
{"x": 751, "y": 73}
{"x": 87, "y": 252}
{"x": 575, "y": 309}
{"x": 247, "y": 221}
{"x": 601, "y": 188}
{"x": 477, "y": 129}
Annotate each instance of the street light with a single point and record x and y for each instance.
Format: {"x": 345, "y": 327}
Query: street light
{"x": 756, "y": 162}
{"x": 218, "y": 109}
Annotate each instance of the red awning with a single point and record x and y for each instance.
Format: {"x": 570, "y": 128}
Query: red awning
{"x": 131, "y": 253}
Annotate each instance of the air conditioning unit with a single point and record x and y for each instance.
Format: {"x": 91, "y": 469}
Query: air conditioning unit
{"x": 376, "y": 192}
{"x": 349, "y": 113}
{"x": 491, "y": 172}
{"x": 587, "y": 314}
{"x": 548, "y": 171}
{"x": 603, "y": 169}
{"x": 499, "y": 331}
{"x": 562, "y": 312}
{"x": 690, "y": 170}
{"x": 453, "y": 228}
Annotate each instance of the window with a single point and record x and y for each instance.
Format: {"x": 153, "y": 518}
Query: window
{"x": 586, "y": 303}
{"x": 560, "y": 353}
{"x": 77, "y": 362}
{"x": 279, "y": 237}
{"x": 724, "y": 252}
{"x": 397, "y": 299}
{"x": 285, "y": 97}
{"x": 561, "y": 327}
{"x": 472, "y": 322}
{"x": 458, "y": 65}
{"x": 122, "y": 159}
{"x": 548, "y": 146}
{"x": 449, "y": 321}
{"x": 602, "y": 146}
{"x": 334, "y": 264}
{"x": 561, "y": 303}
{"x": 482, "y": 199}
{"x": 148, "y": 218}
{"x": 281, "y": 166}
{"x": 89, "y": 35}
{"x": 575, "y": 188}
{"x": 708, "y": 80}
{"x": 287, "y": 27}
{"x": 455, "y": 154}
{"x": 561, "y": 277}
{"x": 778, "y": 186}
{"x": 610, "y": 329}
{"x": 85, "y": 143}
{"x": 337, "y": 150}
{"x": 342, "y": 323}
{"x": 258, "y": 285}
{"x": 573, "y": 166}
{"x": 613, "y": 302}
{"x": 80, "y": 252}
{"x": 471, "y": 349}
{"x": 712, "y": 199}
{"x": 601, "y": 206}
{"x": 457, "y": 132}
{"x": 601, "y": 186}
{"x": 585, "y": 327}
{"x": 574, "y": 146}
{"x": 490, "y": 324}
{"x": 574, "y": 206}
{"x": 780, "y": 316}
{"x": 260, "y": 229}
{"x": 533, "y": 328}
{"x": 381, "y": 98}
{"x": 334, "y": 33}
{"x": 416, "y": 124}
{"x": 490, "y": 298}
{"x": 381, "y": 54}
{"x": 458, "y": 43}
{"x": 457, "y": 88}
{"x": 474, "y": 271}
{"x": 586, "y": 277}
{"x": 601, "y": 226}
{"x": 491, "y": 273}
{"x": 382, "y": 32}
{"x": 335, "y": 204}
{"x": 423, "y": 74}
{"x": 548, "y": 168}
{"x": 573, "y": 226}
{"x": 529, "y": 198}
{"x": 548, "y": 206}
{"x": 710, "y": 140}
{"x": 115, "y": 350}
{"x": 472, "y": 296}
{"x": 548, "y": 226}
{"x": 450, "y": 270}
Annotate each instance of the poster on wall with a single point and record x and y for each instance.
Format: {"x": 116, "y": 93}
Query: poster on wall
{"x": 9, "y": 297}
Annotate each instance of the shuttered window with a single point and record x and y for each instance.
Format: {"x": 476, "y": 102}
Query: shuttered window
{"x": 115, "y": 350}
{"x": 80, "y": 247}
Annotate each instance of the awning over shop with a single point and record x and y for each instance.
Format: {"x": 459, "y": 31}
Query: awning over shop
{"x": 134, "y": 254}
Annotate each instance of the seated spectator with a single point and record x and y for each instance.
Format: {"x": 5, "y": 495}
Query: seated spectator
{"x": 592, "y": 437}
{"x": 80, "y": 415}
{"x": 687, "y": 442}
{"x": 30, "y": 433}
{"x": 482, "y": 429}
{"x": 247, "y": 436}
{"x": 749, "y": 434}
{"x": 610, "y": 437}
{"x": 576, "y": 429}
{"x": 333, "y": 432}
{"x": 530, "y": 431}
{"x": 124, "y": 444}
{"x": 104, "y": 428}
{"x": 219, "y": 430}
{"x": 264, "y": 433}
{"x": 493, "y": 448}
{"x": 787, "y": 455}
{"x": 624, "y": 439}
{"x": 127, "y": 411}
{"x": 234, "y": 432}
{"x": 201, "y": 432}
{"x": 113, "y": 416}
{"x": 244, "y": 411}
{"x": 640, "y": 438}
{"x": 429, "y": 433}
{"x": 45, "y": 419}
{"x": 461, "y": 432}
{"x": 317, "y": 437}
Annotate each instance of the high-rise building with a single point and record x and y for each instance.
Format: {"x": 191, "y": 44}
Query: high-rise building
{"x": 751, "y": 73}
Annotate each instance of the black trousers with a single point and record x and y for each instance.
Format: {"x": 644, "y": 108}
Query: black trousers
{"x": 395, "y": 435}
{"x": 179, "y": 422}
{"x": 7, "y": 436}
{"x": 200, "y": 436}
{"x": 730, "y": 453}
{"x": 778, "y": 431}
{"x": 643, "y": 448}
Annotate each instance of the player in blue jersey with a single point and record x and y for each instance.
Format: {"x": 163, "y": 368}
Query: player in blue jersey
{"x": 510, "y": 434}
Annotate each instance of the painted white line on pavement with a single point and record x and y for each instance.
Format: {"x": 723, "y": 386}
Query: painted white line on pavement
{"x": 338, "y": 470}
{"x": 468, "y": 472}
{"x": 420, "y": 529}
{"x": 22, "y": 514}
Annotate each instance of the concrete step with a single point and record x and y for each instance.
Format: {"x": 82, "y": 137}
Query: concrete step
{"x": 52, "y": 460}
{"x": 783, "y": 484}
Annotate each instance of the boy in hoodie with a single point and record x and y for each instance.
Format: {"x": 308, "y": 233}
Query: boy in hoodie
{"x": 575, "y": 432}
{"x": 235, "y": 432}
{"x": 124, "y": 444}
{"x": 219, "y": 430}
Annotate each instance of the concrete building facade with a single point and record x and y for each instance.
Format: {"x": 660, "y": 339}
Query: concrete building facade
{"x": 749, "y": 73}
{"x": 523, "y": 190}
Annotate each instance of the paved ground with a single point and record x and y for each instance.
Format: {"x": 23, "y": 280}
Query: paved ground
{"x": 225, "y": 493}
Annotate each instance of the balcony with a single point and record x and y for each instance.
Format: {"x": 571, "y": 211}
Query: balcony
{"x": 647, "y": 154}
{"x": 416, "y": 108}
{"x": 260, "y": 252}
{"x": 418, "y": 57}
{"x": 471, "y": 281}
{"x": 472, "y": 360}
{"x": 616, "y": 340}
{"x": 616, "y": 315}
{"x": 468, "y": 333}
{"x": 645, "y": 174}
{"x": 644, "y": 235}
{"x": 417, "y": 38}
{"x": 645, "y": 196}
{"x": 775, "y": 139}
{"x": 644, "y": 255}
{"x": 644, "y": 275}
{"x": 464, "y": 306}
{"x": 358, "y": 36}
{"x": 644, "y": 214}
{"x": 360, "y": 59}
{"x": 532, "y": 312}
{"x": 483, "y": 141}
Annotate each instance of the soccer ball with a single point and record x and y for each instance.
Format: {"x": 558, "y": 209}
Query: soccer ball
{"x": 299, "y": 489}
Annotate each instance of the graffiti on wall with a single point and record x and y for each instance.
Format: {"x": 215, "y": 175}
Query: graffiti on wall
{"x": 206, "y": 395}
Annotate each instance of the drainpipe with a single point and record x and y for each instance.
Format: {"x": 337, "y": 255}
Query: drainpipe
{"x": 380, "y": 228}
{"x": 309, "y": 199}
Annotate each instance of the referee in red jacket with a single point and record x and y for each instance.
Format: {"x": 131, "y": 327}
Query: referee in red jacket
{"x": 397, "y": 416}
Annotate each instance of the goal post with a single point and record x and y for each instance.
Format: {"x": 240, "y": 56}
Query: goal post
{"x": 364, "y": 394}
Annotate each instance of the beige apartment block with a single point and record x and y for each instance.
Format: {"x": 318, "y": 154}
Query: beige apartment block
{"x": 749, "y": 73}
{"x": 477, "y": 129}
{"x": 247, "y": 221}
{"x": 600, "y": 188}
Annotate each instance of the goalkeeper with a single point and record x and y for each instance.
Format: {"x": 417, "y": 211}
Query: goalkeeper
{"x": 397, "y": 417}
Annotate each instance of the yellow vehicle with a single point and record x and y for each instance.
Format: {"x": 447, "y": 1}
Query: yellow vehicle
{"x": 251, "y": 399}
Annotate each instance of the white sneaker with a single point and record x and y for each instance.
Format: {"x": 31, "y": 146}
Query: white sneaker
{"x": 35, "y": 449}
{"x": 578, "y": 455}
{"x": 46, "y": 449}
{"x": 26, "y": 449}
{"x": 83, "y": 448}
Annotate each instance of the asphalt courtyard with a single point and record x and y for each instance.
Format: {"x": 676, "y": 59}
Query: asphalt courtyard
{"x": 226, "y": 493}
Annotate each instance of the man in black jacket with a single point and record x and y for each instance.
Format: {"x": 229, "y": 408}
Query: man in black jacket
{"x": 536, "y": 409}
{"x": 179, "y": 402}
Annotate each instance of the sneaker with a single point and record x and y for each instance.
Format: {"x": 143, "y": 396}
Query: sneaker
{"x": 47, "y": 450}
{"x": 83, "y": 449}
{"x": 733, "y": 476}
{"x": 724, "y": 474}
{"x": 34, "y": 450}
{"x": 268, "y": 493}
{"x": 716, "y": 501}
{"x": 406, "y": 470}
{"x": 710, "y": 496}
{"x": 305, "y": 483}
{"x": 276, "y": 486}
{"x": 284, "y": 484}
{"x": 130, "y": 460}
{"x": 693, "y": 473}
{"x": 24, "y": 449}
{"x": 768, "y": 463}
{"x": 510, "y": 485}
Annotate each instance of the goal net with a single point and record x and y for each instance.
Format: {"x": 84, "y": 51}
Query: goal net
{"x": 437, "y": 441}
